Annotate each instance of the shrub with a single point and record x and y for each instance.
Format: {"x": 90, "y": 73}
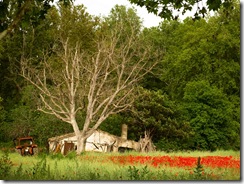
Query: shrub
{"x": 5, "y": 165}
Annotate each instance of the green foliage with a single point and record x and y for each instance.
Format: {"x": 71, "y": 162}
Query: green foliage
{"x": 76, "y": 25}
{"x": 22, "y": 14}
{"x": 138, "y": 174}
{"x": 122, "y": 16}
{"x": 156, "y": 113}
{"x": 94, "y": 175}
{"x": 5, "y": 165}
{"x": 196, "y": 51}
{"x": 31, "y": 41}
{"x": 174, "y": 143}
{"x": 25, "y": 120}
{"x": 113, "y": 124}
{"x": 2, "y": 119}
{"x": 41, "y": 170}
{"x": 57, "y": 156}
{"x": 199, "y": 169}
{"x": 133, "y": 173}
{"x": 152, "y": 81}
{"x": 211, "y": 116}
{"x": 165, "y": 9}
{"x": 71, "y": 155}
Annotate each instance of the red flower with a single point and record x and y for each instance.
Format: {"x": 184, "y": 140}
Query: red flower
{"x": 178, "y": 161}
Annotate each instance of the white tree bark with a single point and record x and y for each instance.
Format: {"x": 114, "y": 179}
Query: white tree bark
{"x": 100, "y": 84}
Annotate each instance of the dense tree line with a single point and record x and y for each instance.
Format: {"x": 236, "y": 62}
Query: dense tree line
{"x": 190, "y": 100}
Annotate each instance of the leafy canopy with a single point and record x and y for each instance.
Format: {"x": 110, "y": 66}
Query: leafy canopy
{"x": 166, "y": 8}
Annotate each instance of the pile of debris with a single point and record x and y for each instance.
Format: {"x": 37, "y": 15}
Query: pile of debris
{"x": 146, "y": 144}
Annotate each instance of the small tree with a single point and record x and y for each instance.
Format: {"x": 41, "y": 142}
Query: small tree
{"x": 100, "y": 82}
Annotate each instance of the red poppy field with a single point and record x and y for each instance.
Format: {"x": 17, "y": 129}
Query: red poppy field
{"x": 177, "y": 167}
{"x": 178, "y": 161}
{"x": 221, "y": 165}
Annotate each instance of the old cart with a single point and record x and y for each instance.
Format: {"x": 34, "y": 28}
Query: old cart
{"x": 26, "y": 146}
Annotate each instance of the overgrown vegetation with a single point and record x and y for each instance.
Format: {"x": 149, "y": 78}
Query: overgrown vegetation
{"x": 97, "y": 166}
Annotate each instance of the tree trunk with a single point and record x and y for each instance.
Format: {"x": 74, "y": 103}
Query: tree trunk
{"x": 81, "y": 144}
{"x": 81, "y": 140}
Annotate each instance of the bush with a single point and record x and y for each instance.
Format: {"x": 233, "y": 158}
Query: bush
{"x": 5, "y": 165}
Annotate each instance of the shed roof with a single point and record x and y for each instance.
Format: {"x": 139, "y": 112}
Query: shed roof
{"x": 58, "y": 138}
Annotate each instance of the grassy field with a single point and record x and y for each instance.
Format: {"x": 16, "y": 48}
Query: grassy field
{"x": 219, "y": 165}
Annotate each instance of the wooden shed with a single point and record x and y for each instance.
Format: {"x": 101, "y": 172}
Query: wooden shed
{"x": 99, "y": 141}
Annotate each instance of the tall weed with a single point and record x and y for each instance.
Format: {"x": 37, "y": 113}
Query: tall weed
{"x": 5, "y": 165}
{"x": 41, "y": 170}
{"x": 138, "y": 174}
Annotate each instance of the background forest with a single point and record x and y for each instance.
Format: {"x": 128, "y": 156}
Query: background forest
{"x": 190, "y": 100}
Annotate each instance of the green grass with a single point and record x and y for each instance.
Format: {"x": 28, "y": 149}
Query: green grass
{"x": 96, "y": 166}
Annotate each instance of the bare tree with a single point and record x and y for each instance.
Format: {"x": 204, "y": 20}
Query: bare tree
{"x": 99, "y": 82}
